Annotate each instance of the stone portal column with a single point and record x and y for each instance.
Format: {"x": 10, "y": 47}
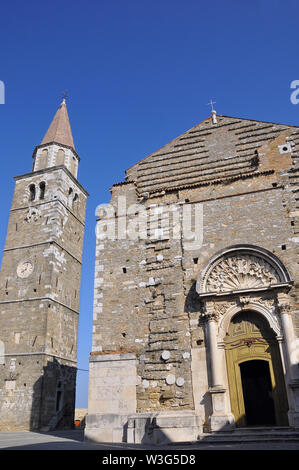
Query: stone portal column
{"x": 219, "y": 419}
{"x": 291, "y": 360}
{"x": 216, "y": 379}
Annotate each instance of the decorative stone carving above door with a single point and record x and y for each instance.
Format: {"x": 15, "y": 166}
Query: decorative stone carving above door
{"x": 241, "y": 272}
{"x": 241, "y": 268}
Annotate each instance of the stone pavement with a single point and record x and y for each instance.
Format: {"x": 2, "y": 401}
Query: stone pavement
{"x": 73, "y": 440}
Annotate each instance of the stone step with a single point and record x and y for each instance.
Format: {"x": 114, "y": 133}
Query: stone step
{"x": 252, "y": 435}
{"x": 262, "y": 429}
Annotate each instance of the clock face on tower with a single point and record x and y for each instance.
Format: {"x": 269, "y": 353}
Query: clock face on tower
{"x": 24, "y": 269}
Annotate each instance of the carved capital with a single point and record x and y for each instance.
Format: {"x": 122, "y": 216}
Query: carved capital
{"x": 284, "y": 308}
{"x": 215, "y": 310}
{"x": 283, "y": 303}
{"x": 210, "y": 312}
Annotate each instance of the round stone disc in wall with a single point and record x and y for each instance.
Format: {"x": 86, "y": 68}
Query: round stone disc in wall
{"x": 180, "y": 381}
{"x": 186, "y": 355}
{"x": 165, "y": 355}
{"x": 170, "y": 379}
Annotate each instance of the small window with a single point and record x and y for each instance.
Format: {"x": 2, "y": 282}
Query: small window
{"x": 32, "y": 192}
{"x": 75, "y": 201}
{"x": 42, "y": 188}
{"x": 70, "y": 200}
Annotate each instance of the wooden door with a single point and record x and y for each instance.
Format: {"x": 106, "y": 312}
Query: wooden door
{"x": 250, "y": 339}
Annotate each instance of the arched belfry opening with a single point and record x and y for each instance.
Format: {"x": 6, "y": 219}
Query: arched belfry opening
{"x": 245, "y": 303}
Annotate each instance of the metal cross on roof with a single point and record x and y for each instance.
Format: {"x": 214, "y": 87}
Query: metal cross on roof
{"x": 211, "y": 102}
{"x": 64, "y": 96}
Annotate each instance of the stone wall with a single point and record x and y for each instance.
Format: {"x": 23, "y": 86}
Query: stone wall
{"x": 145, "y": 290}
{"x": 152, "y": 306}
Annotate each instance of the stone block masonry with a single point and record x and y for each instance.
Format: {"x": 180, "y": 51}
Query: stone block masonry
{"x": 147, "y": 302}
{"x": 40, "y": 288}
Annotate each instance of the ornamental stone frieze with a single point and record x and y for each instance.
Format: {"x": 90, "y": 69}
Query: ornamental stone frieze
{"x": 267, "y": 303}
{"x": 216, "y": 309}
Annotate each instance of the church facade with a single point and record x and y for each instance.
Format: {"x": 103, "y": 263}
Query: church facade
{"x": 40, "y": 287}
{"x": 195, "y": 323}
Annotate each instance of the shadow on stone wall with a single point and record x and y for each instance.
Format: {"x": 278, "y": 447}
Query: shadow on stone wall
{"x": 146, "y": 432}
{"x": 53, "y": 400}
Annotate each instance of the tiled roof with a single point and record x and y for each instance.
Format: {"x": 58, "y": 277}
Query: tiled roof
{"x": 60, "y": 129}
{"x": 208, "y": 152}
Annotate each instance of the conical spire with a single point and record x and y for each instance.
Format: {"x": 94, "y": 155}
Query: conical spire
{"x": 60, "y": 129}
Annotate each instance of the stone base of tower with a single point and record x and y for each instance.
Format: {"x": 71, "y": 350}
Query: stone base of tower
{"x": 37, "y": 393}
{"x": 158, "y": 428}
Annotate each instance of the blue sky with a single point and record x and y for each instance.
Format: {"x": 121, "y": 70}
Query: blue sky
{"x": 138, "y": 74}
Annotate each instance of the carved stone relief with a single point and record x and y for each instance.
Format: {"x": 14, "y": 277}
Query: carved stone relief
{"x": 216, "y": 310}
{"x": 33, "y": 215}
{"x": 241, "y": 271}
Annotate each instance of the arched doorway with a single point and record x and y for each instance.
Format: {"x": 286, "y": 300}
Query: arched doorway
{"x": 255, "y": 375}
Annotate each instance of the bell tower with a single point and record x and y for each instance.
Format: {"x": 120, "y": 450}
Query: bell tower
{"x": 40, "y": 286}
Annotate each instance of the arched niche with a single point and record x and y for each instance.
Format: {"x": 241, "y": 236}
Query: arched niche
{"x": 60, "y": 158}
{"x": 43, "y": 159}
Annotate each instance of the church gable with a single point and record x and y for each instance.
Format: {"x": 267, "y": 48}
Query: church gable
{"x": 215, "y": 151}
